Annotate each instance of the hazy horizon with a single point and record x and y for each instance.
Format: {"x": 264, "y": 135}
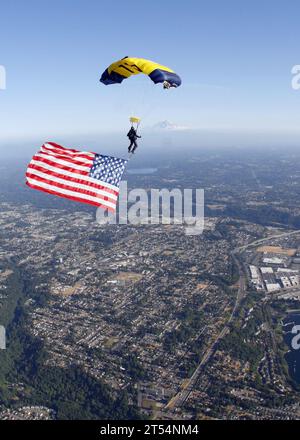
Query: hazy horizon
{"x": 235, "y": 61}
{"x": 154, "y": 142}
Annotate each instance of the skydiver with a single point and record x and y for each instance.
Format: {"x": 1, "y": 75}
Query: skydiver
{"x": 132, "y": 134}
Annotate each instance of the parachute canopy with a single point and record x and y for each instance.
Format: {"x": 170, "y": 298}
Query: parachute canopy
{"x": 128, "y": 66}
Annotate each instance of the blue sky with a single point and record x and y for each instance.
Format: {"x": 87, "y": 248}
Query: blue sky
{"x": 234, "y": 57}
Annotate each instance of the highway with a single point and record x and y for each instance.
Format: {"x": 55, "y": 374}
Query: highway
{"x": 178, "y": 400}
{"x": 262, "y": 240}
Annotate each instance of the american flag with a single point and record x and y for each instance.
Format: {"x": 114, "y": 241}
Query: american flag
{"x": 77, "y": 175}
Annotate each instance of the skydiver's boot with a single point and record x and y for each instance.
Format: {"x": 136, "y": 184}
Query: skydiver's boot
{"x": 130, "y": 146}
{"x": 134, "y": 147}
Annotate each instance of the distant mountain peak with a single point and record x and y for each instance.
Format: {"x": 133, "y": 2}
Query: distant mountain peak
{"x": 167, "y": 125}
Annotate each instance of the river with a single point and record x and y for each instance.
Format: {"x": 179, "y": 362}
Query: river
{"x": 142, "y": 170}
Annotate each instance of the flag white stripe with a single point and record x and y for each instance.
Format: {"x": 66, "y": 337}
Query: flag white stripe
{"x": 73, "y": 184}
{"x": 64, "y": 162}
{"x": 67, "y": 151}
{"x": 70, "y": 193}
{"x": 66, "y": 156}
{"x": 70, "y": 174}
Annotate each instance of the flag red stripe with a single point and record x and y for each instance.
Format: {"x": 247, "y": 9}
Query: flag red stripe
{"x": 66, "y": 154}
{"x": 71, "y": 188}
{"x": 73, "y": 179}
{"x": 60, "y": 166}
{"x": 66, "y": 150}
{"x": 67, "y": 158}
{"x": 76, "y": 199}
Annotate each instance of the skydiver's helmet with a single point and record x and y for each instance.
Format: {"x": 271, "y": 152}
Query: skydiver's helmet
{"x": 166, "y": 85}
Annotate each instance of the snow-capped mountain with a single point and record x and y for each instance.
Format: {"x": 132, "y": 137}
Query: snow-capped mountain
{"x": 167, "y": 125}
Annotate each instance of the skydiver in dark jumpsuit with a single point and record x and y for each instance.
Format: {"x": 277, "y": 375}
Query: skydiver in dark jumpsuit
{"x": 132, "y": 134}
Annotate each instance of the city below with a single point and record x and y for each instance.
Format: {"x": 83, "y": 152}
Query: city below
{"x": 144, "y": 321}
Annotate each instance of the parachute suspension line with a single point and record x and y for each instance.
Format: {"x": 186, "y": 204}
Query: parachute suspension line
{"x": 135, "y": 120}
{"x": 157, "y": 73}
{"x": 137, "y": 126}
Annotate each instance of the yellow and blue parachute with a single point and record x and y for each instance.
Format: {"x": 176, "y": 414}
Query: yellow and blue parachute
{"x": 128, "y": 66}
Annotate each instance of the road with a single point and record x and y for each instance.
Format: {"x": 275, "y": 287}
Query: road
{"x": 178, "y": 400}
{"x": 262, "y": 240}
